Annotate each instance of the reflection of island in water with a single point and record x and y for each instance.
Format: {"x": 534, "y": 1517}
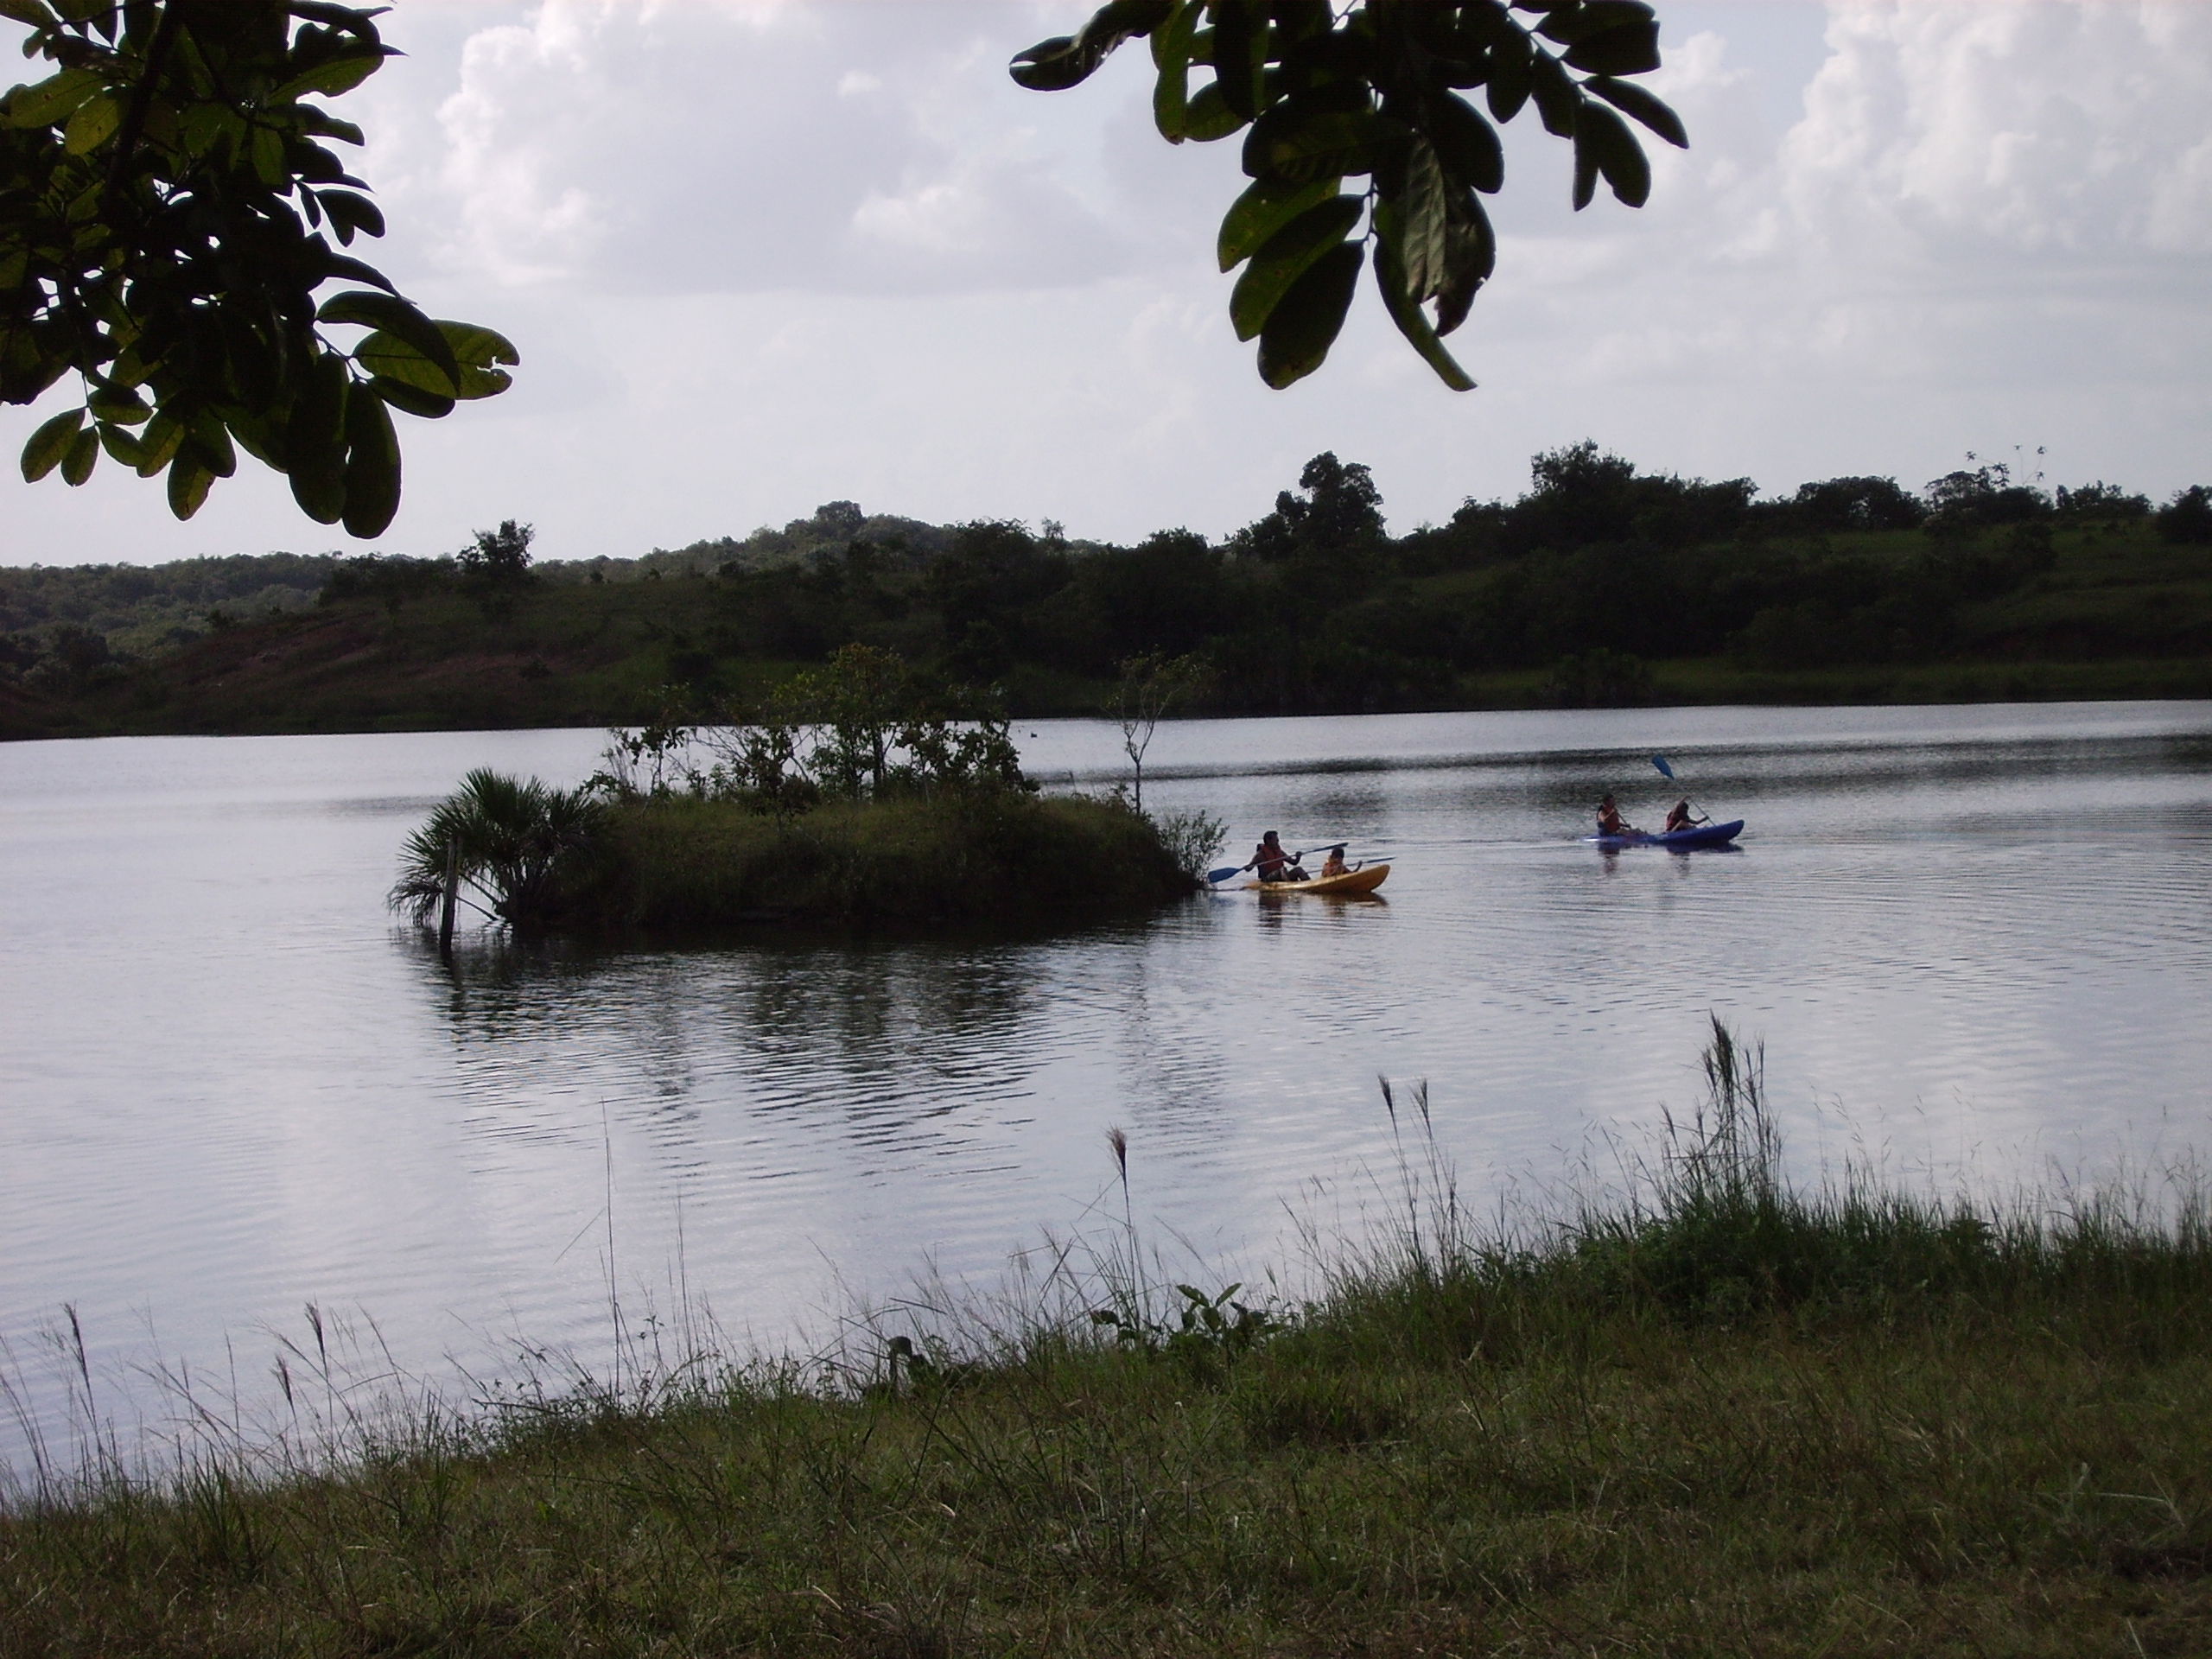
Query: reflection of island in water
{"x": 909, "y": 1051}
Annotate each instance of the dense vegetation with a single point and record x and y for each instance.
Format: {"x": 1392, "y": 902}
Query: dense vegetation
{"x": 1724, "y": 1415}
{"x": 861, "y": 795}
{"x": 1600, "y": 584}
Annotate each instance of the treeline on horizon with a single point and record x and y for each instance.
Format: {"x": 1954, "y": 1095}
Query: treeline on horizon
{"x": 1595, "y": 571}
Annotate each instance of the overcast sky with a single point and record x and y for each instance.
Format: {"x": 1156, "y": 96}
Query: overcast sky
{"x": 761, "y": 254}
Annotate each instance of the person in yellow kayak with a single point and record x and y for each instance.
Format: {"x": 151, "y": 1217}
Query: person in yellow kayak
{"x": 1610, "y": 822}
{"x": 1271, "y": 863}
{"x": 1334, "y": 864}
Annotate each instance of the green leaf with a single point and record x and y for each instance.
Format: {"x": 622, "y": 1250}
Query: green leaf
{"x": 1306, "y": 321}
{"x": 84, "y": 451}
{"x": 1170, "y": 56}
{"x": 371, "y": 464}
{"x": 268, "y": 151}
{"x": 477, "y": 350}
{"x": 55, "y": 99}
{"x": 1639, "y": 105}
{"x": 350, "y": 212}
{"x": 122, "y": 444}
{"x": 118, "y": 403}
{"x": 1557, "y": 96}
{"x": 339, "y": 264}
{"x": 1209, "y": 117}
{"x": 391, "y": 314}
{"x": 158, "y": 443}
{"x": 254, "y": 433}
{"x": 189, "y": 482}
{"x": 28, "y": 11}
{"x": 93, "y": 125}
{"x": 50, "y": 443}
{"x": 1512, "y": 75}
{"x": 314, "y": 440}
{"x": 1287, "y": 256}
{"x": 1421, "y": 222}
{"x": 1263, "y": 209}
{"x": 1291, "y": 142}
{"x": 210, "y": 441}
{"x": 331, "y": 79}
{"x": 1238, "y": 29}
{"x": 1466, "y": 143}
{"x": 1586, "y": 174}
{"x": 1172, "y": 41}
{"x": 412, "y": 400}
{"x": 320, "y": 123}
{"x": 1066, "y": 60}
{"x": 388, "y": 358}
{"x": 1473, "y": 257}
{"x": 1629, "y": 49}
{"x": 1613, "y": 150}
{"x": 1413, "y": 323}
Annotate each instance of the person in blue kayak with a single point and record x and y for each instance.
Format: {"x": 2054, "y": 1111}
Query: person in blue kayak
{"x": 1271, "y": 863}
{"x": 1681, "y": 818}
{"x": 1610, "y": 822}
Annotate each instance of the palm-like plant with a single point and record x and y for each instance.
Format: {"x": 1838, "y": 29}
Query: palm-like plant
{"x": 523, "y": 849}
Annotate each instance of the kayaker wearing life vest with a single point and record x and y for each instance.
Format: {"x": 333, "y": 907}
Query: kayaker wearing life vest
{"x": 1610, "y": 822}
{"x": 1334, "y": 864}
{"x": 1272, "y": 863}
{"x": 1680, "y": 818}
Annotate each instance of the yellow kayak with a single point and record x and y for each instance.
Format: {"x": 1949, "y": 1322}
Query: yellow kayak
{"x": 1366, "y": 879}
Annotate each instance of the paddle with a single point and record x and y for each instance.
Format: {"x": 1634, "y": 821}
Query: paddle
{"x": 1668, "y": 771}
{"x": 1228, "y": 870}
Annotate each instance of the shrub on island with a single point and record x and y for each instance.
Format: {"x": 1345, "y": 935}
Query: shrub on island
{"x": 859, "y": 796}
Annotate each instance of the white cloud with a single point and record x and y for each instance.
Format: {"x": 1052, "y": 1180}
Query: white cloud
{"x": 2029, "y": 127}
{"x": 758, "y": 256}
{"x": 726, "y": 148}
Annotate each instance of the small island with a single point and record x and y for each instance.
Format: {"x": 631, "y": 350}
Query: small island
{"x": 859, "y": 796}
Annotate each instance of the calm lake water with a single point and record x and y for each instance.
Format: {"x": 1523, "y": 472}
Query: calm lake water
{"x": 1973, "y": 940}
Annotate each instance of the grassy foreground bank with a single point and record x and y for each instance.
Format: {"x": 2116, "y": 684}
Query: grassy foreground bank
{"x": 1722, "y": 1416}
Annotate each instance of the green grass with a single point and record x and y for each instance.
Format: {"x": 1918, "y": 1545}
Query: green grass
{"x": 1713, "y": 1415}
{"x": 962, "y": 857}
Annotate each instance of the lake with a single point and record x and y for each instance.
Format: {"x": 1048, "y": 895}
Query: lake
{"x": 1977, "y": 943}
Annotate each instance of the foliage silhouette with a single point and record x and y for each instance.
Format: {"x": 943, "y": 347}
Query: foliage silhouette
{"x": 1372, "y": 93}
{"x": 163, "y": 199}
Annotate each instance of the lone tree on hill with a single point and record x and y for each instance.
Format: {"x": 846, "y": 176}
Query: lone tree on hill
{"x": 499, "y": 556}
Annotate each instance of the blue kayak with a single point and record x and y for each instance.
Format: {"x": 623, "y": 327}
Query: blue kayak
{"x": 1704, "y": 835}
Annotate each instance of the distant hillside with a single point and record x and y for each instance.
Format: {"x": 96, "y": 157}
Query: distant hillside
{"x": 829, "y": 531}
{"x": 1601, "y": 585}
{"x": 64, "y": 628}
{"x": 139, "y": 608}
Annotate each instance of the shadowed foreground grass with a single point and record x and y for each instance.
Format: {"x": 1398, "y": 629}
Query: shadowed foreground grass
{"x": 1718, "y": 1416}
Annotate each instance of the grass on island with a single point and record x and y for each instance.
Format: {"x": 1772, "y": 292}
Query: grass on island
{"x": 1720, "y": 1414}
{"x": 963, "y": 857}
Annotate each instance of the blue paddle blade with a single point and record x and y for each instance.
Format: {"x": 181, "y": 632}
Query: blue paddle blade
{"x": 1224, "y": 872}
{"x": 1660, "y": 761}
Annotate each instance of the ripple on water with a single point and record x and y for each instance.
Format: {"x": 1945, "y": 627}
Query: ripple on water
{"x": 1971, "y": 937}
